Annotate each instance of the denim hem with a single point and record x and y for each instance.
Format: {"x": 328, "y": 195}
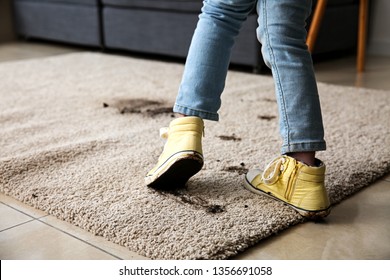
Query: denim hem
{"x": 304, "y": 147}
{"x": 194, "y": 112}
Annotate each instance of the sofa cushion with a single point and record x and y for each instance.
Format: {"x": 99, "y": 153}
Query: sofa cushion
{"x": 172, "y": 5}
{"x": 65, "y": 22}
{"x": 80, "y": 2}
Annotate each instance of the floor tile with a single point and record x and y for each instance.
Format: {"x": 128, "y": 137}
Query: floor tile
{"x": 357, "y": 228}
{"x": 21, "y": 50}
{"x": 342, "y": 71}
{"x": 10, "y": 217}
{"x": 100, "y": 242}
{"x": 20, "y": 206}
{"x": 36, "y": 240}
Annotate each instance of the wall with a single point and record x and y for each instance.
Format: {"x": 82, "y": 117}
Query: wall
{"x": 6, "y": 26}
{"x": 379, "y": 31}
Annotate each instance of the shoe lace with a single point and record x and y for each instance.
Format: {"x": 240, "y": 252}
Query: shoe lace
{"x": 272, "y": 170}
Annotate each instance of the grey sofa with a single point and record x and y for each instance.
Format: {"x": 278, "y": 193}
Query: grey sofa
{"x": 162, "y": 27}
{"x": 70, "y": 21}
{"x": 166, "y": 27}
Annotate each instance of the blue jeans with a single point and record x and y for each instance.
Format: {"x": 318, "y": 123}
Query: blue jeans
{"x": 282, "y": 34}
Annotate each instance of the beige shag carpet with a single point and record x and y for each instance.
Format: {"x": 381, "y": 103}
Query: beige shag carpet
{"x": 78, "y": 132}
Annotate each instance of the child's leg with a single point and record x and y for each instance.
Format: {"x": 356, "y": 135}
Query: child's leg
{"x": 199, "y": 95}
{"x": 209, "y": 55}
{"x": 283, "y": 36}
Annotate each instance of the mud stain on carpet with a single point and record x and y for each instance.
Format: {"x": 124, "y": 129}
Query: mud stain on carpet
{"x": 232, "y": 137}
{"x": 241, "y": 169}
{"x": 145, "y": 107}
{"x": 181, "y": 195}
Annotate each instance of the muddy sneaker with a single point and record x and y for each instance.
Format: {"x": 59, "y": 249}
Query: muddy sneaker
{"x": 182, "y": 156}
{"x": 296, "y": 184}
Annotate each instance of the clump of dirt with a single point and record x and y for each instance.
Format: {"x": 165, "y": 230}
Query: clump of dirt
{"x": 232, "y": 137}
{"x": 238, "y": 169}
{"x": 266, "y": 117}
{"x": 215, "y": 209}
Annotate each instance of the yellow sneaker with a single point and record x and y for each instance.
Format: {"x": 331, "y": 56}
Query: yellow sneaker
{"x": 295, "y": 183}
{"x": 182, "y": 156}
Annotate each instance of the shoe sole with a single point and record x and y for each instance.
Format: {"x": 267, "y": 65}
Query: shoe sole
{"x": 312, "y": 215}
{"x": 176, "y": 171}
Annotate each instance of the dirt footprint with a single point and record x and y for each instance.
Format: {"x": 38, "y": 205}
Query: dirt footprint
{"x": 181, "y": 195}
{"x": 145, "y": 107}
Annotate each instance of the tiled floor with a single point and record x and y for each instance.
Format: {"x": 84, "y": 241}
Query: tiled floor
{"x": 358, "y": 228}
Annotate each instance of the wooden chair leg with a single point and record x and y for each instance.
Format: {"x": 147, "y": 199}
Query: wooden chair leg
{"x": 315, "y": 24}
{"x": 362, "y": 35}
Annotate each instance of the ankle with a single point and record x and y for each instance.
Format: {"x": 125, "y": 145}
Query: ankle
{"x": 307, "y": 158}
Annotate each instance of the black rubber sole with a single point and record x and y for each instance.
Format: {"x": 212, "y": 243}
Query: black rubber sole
{"x": 178, "y": 174}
